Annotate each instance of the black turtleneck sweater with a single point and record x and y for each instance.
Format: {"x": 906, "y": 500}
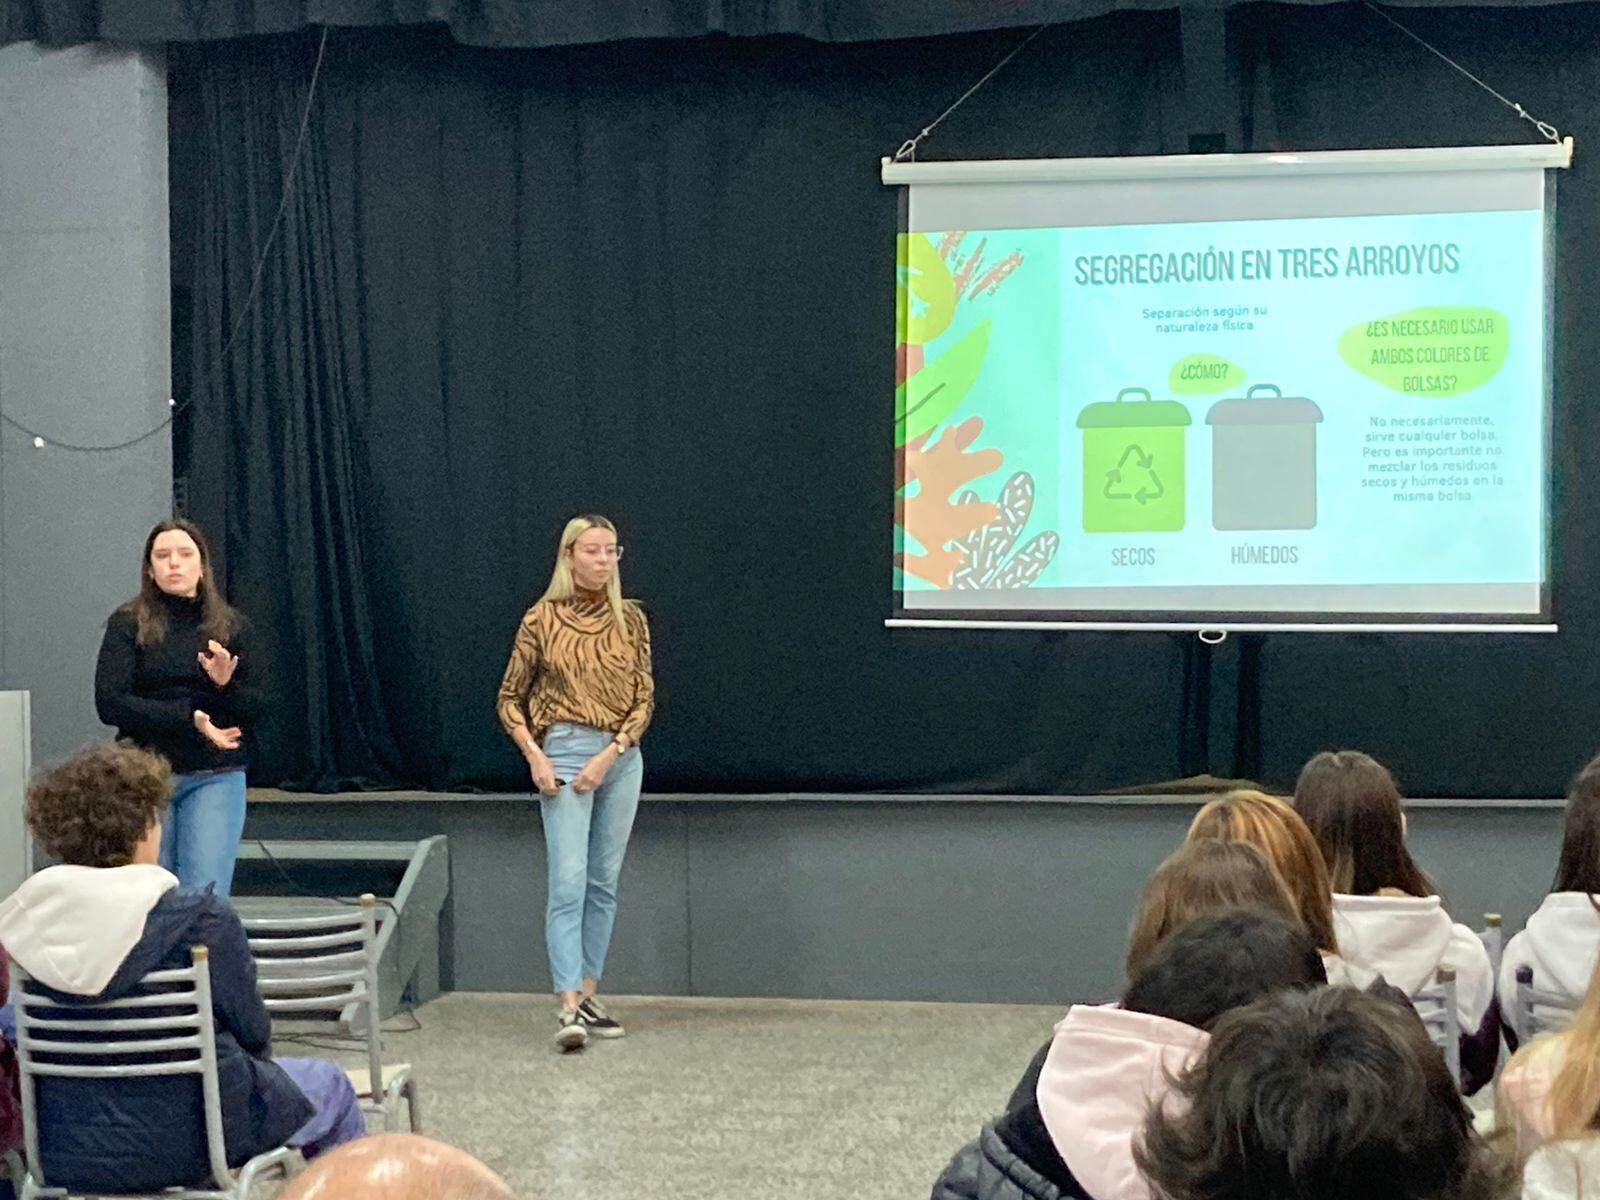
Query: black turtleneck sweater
{"x": 150, "y": 693}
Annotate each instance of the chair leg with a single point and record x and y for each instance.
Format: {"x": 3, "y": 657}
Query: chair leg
{"x": 413, "y": 1108}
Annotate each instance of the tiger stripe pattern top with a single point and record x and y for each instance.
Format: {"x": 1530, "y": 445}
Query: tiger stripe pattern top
{"x": 569, "y": 663}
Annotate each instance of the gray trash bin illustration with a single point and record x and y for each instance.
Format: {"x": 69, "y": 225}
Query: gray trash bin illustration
{"x": 1264, "y": 461}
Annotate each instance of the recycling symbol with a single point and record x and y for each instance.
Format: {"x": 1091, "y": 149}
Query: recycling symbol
{"x": 1149, "y": 485}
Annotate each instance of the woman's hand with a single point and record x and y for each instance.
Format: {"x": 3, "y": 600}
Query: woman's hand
{"x": 217, "y": 663}
{"x": 544, "y": 775}
{"x": 222, "y": 739}
{"x": 594, "y": 771}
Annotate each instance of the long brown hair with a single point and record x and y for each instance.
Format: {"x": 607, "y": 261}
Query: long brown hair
{"x": 1199, "y": 878}
{"x": 1578, "y": 869}
{"x": 1351, "y": 804}
{"x": 218, "y": 619}
{"x": 1272, "y": 827}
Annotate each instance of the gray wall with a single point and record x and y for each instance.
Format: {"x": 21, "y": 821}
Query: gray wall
{"x": 85, "y": 352}
{"x": 921, "y": 899}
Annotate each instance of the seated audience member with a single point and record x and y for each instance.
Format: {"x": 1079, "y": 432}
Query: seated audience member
{"x": 10, "y": 1099}
{"x": 1548, "y": 1100}
{"x": 397, "y": 1166}
{"x": 1561, "y": 941}
{"x": 92, "y": 928}
{"x": 1273, "y": 828}
{"x": 1193, "y": 880}
{"x": 1325, "y": 1094}
{"x": 1387, "y": 912}
{"x": 1108, "y": 1064}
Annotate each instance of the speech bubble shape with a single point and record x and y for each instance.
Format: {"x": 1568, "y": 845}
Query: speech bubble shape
{"x": 1446, "y": 350}
{"x": 1203, "y": 374}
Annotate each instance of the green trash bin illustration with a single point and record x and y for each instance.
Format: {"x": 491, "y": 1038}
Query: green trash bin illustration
{"x": 1264, "y": 461}
{"x": 1133, "y": 474}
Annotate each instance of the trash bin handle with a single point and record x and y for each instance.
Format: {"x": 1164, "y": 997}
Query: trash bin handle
{"x": 1264, "y": 387}
{"x": 1145, "y": 392}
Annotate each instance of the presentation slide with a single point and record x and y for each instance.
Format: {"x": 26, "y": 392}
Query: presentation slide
{"x": 1296, "y": 416}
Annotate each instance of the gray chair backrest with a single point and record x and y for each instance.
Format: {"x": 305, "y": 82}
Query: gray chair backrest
{"x": 1436, "y": 1005}
{"x": 321, "y": 962}
{"x": 116, "y": 1039}
{"x": 1493, "y": 940}
{"x": 1540, "y": 1012}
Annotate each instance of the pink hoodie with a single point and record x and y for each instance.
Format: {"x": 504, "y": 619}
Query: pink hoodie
{"x": 1104, "y": 1068}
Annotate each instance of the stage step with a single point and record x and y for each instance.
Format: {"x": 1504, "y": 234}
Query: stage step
{"x": 408, "y": 919}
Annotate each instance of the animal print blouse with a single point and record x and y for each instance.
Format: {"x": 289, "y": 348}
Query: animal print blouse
{"x": 569, "y": 662}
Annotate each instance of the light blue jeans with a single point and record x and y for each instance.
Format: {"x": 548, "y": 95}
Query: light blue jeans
{"x": 585, "y": 838}
{"x": 200, "y": 838}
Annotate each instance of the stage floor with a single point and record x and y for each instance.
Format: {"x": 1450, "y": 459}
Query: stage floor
{"x": 715, "y": 1099}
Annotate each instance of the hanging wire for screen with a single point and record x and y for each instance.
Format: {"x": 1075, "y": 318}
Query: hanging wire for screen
{"x": 1547, "y": 130}
{"x": 174, "y": 407}
{"x": 908, "y": 148}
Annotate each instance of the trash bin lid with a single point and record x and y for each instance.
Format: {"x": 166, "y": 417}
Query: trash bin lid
{"x": 1264, "y": 404}
{"x": 1133, "y": 409}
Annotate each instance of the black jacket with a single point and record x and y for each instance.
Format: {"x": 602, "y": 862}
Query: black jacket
{"x": 142, "y": 1135}
{"x": 1013, "y": 1159}
{"x": 150, "y": 693}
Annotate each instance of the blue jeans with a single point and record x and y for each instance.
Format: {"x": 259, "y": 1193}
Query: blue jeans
{"x": 585, "y": 838}
{"x": 200, "y": 838}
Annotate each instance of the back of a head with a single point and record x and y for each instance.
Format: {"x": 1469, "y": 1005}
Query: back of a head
{"x": 1351, "y": 804}
{"x": 1202, "y": 877}
{"x": 1221, "y": 961}
{"x": 1273, "y": 828}
{"x": 92, "y": 809}
{"x": 1327, "y": 1094}
{"x": 1579, "y": 867}
{"x": 397, "y": 1166}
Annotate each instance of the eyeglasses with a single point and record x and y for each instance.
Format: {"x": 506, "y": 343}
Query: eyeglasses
{"x": 600, "y": 551}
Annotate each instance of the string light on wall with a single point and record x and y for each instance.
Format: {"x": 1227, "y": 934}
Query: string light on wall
{"x": 175, "y": 406}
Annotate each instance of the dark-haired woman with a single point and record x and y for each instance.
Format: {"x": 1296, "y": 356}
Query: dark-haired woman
{"x": 1386, "y": 911}
{"x": 177, "y": 675}
{"x": 1562, "y": 939}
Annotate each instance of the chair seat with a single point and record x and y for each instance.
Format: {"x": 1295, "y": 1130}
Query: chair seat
{"x": 361, "y": 1078}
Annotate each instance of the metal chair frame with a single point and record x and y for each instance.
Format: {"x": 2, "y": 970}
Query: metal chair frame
{"x": 187, "y": 1037}
{"x": 1436, "y": 1005}
{"x": 327, "y": 962}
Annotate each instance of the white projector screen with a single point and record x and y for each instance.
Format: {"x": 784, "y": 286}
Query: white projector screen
{"x": 1226, "y": 391}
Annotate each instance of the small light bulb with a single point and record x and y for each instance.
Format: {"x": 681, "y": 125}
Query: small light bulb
{"x": 38, "y": 443}
{"x": 171, "y": 403}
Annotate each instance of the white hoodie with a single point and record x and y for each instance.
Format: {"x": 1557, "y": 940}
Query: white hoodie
{"x": 1406, "y": 939}
{"x": 1104, "y": 1068}
{"x": 72, "y": 927}
{"x": 1560, "y": 942}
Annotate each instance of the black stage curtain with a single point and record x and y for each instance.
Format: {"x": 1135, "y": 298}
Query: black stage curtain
{"x": 526, "y": 23}
{"x": 654, "y": 279}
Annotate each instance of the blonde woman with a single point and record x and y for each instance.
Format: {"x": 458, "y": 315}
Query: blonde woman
{"x": 1548, "y": 1097}
{"x": 576, "y": 698}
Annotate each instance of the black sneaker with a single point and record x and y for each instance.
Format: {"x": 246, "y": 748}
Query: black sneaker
{"x": 570, "y": 1033}
{"x": 596, "y": 1021}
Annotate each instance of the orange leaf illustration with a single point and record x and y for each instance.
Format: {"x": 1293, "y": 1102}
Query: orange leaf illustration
{"x": 931, "y": 514}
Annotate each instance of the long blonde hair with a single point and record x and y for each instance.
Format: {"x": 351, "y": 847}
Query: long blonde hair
{"x": 561, "y": 585}
{"x": 1275, "y": 829}
{"x": 1572, "y": 1107}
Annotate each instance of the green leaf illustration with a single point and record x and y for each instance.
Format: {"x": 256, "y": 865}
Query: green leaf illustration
{"x": 933, "y": 393}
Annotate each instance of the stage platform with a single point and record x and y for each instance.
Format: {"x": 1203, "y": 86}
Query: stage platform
{"x": 848, "y": 896}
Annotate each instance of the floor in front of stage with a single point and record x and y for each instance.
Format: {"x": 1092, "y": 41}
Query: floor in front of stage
{"x": 710, "y": 1099}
